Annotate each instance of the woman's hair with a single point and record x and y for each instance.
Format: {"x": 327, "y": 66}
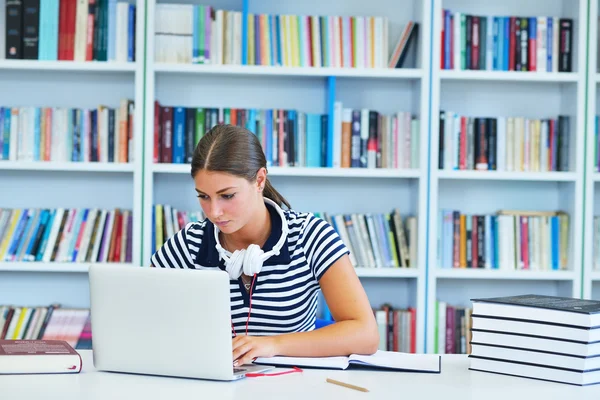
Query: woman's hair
{"x": 236, "y": 151}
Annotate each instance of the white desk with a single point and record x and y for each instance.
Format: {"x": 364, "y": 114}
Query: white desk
{"x": 455, "y": 382}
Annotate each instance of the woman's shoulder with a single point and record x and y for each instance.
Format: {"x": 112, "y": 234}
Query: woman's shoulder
{"x": 195, "y": 228}
{"x": 301, "y": 221}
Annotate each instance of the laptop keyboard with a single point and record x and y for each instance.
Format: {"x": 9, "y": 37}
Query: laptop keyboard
{"x": 238, "y": 370}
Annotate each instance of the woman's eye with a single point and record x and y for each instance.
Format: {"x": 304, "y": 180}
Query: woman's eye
{"x": 202, "y": 196}
{"x": 228, "y": 196}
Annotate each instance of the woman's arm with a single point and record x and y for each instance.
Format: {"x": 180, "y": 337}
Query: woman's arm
{"x": 354, "y": 332}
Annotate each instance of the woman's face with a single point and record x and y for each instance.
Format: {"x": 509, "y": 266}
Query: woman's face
{"x": 228, "y": 201}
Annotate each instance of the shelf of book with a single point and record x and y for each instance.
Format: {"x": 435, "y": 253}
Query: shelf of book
{"x": 51, "y": 166}
{"x": 68, "y": 66}
{"x": 508, "y": 175}
{"x": 250, "y": 70}
{"x": 468, "y": 273}
{"x": 309, "y": 172}
{"x": 510, "y": 76}
{"x": 48, "y": 267}
{"x": 387, "y": 272}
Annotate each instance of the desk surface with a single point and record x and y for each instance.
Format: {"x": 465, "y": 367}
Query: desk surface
{"x": 455, "y": 382}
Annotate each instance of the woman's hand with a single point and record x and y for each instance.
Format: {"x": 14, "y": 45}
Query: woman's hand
{"x": 247, "y": 348}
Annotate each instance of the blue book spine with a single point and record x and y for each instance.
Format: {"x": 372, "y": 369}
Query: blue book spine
{"x": 6, "y": 142}
{"x": 17, "y": 236}
{"x": 268, "y": 136}
{"x": 53, "y": 30}
{"x": 25, "y": 237}
{"x": 153, "y": 241}
{"x": 40, "y": 225}
{"x": 257, "y": 34}
{"x": 505, "y": 62}
{"x": 44, "y": 243}
{"x": 2, "y": 157}
{"x": 278, "y": 40}
{"x": 112, "y": 29}
{"x": 549, "y": 37}
{"x": 496, "y": 45}
{"x": 36, "y": 133}
{"x": 313, "y": 140}
{"x": 555, "y": 241}
{"x": 179, "y": 136}
{"x": 245, "y": 7}
{"x": 131, "y": 34}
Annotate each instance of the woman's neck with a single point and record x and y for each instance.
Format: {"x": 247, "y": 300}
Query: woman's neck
{"x": 256, "y": 232}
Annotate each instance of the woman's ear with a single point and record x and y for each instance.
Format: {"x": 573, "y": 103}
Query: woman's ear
{"x": 261, "y": 179}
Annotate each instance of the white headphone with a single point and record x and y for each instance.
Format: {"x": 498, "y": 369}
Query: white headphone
{"x": 251, "y": 260}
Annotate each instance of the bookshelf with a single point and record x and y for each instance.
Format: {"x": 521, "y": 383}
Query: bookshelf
{"x": 69, "y": 184}
{"x": 592, "y": 176}
{"x": 424, "y": 90}
{"x": 492, "y": 93}
{"x": 314, "y": 90}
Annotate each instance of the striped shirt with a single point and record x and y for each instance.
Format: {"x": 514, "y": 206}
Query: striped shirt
{"x": 285, "y": 293}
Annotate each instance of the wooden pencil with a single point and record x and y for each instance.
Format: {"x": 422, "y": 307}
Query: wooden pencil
{"x": 360, "y": 389}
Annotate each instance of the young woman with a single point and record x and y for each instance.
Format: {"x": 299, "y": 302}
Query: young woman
{"x": 277, "y": 260}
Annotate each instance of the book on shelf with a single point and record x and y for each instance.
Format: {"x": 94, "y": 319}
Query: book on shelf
{"x": 38, "y": 357}
{"x": 508, "y": 240}
{"x": 452, "y": 329}
{"x": 203, "y": 34}
{"x": 535, "y": 336}
{"x": 377, "y": 240}
{"x": 70, "y": 30}
{"x": 503, "y": 143}
{"x": 397, "y": 328}
{"x": 597, "y": 141}
{"x": 66, "y": 235}
{"x": 60, "y": 134}
{"x": 385, "y": 360}
{"x": 54, "y": 322}
{"x": 385, "y": 240}
{"x": 506, "y": 43}
{"x": 361, "y": 138}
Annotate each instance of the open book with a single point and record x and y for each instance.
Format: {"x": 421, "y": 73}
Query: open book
{"x": 387, "y": 360}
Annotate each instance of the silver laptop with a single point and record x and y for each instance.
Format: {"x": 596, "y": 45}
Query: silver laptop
{"x": 172, "y": 322}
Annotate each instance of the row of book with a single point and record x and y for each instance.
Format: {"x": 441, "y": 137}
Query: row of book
{"x": 506, "y": 43}
{"x": 102, "y": 134}
{"x": 202, "y": 34}
{"x": 377, "y": 240}
{"x": 539, "y": 337}
{"x": 503, "y": 143}
{"x": 66, "y": 235}
{"x": 597, "y": 143}
{"x": 509, "y": 240}
{"x": 361, "y": 138}
{"x": 168, "y": 220}
{"x": 53, "y": 322}
{"x": 452, "y": 329}
{"x": 70, "y": 30}
{"x": 397, "y": 326}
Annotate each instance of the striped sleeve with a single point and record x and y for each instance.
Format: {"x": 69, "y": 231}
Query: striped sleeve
{"x": 181, "y": 249}
{"x": 322, "y": 245}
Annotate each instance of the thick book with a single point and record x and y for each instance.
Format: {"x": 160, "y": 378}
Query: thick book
{"x": 550, "y": 309}
{"x": 386, "y": 360}
{"x": 38, "y": 357}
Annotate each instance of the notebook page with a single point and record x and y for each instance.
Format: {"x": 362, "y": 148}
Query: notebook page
{"x": 407, "y": 361}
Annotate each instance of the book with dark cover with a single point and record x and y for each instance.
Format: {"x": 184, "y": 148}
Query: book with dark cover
{"x": 566, "y": 304}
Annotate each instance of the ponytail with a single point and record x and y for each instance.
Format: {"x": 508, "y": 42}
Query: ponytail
{"x": 272, "y": 194}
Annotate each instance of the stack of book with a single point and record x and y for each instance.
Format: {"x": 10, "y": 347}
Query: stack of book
{"x": 540, "y": 337}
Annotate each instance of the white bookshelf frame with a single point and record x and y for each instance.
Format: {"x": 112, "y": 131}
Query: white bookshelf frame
{"x": 592, "y": 178}
{"x": 15, "y": 273}
{"x": 353, "y": 176}
{"x": 482, "y": 278}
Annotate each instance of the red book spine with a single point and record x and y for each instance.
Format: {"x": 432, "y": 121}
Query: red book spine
{"x": 512, "y": 44}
